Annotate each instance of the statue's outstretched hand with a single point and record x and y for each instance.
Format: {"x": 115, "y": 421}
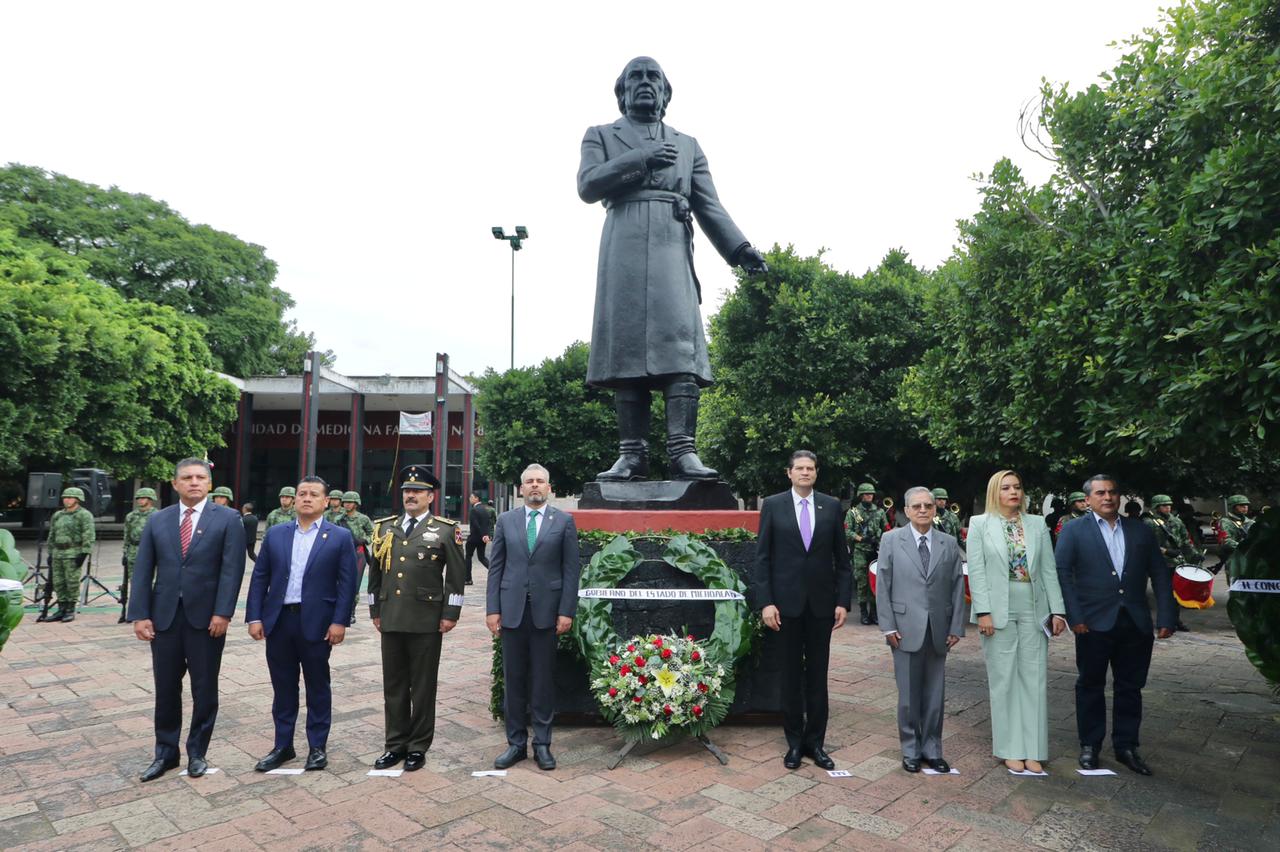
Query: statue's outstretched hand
{"x": 751, "y": 260}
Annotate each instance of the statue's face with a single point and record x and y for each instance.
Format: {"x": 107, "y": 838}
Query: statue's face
{"x": 644, "y": 87}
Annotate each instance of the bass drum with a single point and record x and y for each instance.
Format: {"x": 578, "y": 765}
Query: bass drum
{"x": 1193, "y": 587}
{"x": 871, "y": 576}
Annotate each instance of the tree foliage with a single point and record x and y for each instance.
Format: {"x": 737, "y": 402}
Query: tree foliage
{"x": 807, "y": 357}
{"x": 89, "y": 376}
{"x": 148, "y": 251}
{"x": 1127, "y": 313}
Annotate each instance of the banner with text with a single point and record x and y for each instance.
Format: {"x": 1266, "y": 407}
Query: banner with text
{"x": 1271, "y": 586}
{"x": 415, "y": 424}
{"x": 662, "y": 594}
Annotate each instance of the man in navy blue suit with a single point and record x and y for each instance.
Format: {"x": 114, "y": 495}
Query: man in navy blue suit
{"x": 186, "y": 581}
{"x": 1104, "y": 564}
{"x": 300, "y": 600}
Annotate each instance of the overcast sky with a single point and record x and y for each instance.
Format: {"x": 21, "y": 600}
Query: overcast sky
{"x": 371, "y": 146}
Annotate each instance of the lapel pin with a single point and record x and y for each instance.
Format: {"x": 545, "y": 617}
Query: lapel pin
{"x": 324, "y": 535}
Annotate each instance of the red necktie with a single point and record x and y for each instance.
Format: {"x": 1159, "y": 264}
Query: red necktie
{"x": 184, "y": 531}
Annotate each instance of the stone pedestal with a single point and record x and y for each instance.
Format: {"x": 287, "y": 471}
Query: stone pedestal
{"x": 663, "y": 495}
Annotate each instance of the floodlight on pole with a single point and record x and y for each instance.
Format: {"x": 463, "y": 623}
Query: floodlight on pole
{"x": 517, "y": 242}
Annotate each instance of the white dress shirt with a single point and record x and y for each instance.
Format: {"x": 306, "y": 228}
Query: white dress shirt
{"x": 303, "y": 541}
{"x": 813, "y": 514}
{"x": 1113, "y": 537}
{"x": 404, "y": 522}
{"x": 542, "y": 516}
{"x": 195, "y": 516}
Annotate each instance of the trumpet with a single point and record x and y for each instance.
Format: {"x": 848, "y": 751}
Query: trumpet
{"x": 887, "y": 502}
{"x": 954, "y": 508}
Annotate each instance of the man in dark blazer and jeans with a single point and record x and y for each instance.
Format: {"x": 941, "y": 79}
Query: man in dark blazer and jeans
{"x": 531, "y": 599}
{"x": 803, "y": 586}
{"x": 1104, "y": 564}
{"x": 185, "y": 584}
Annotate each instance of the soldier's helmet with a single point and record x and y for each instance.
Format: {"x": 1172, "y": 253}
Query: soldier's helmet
{"x": 78, "y": 493}
{"x": 940, "y": 494}
{"x": 149, "y": 493}
{"x": 866, "y": 488}
{"x": 1161, "y": 500}
{"x": 337, "y": 494}
{"x": 288, "y": 491}
{"x": 223, "y": 491}
{"x": 1232, "y": 501}
{"x": 1075, "y": 495}
{"x": 351, "y": 497}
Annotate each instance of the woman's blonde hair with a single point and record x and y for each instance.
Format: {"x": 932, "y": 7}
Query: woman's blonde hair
{"x": 993, "y": 490}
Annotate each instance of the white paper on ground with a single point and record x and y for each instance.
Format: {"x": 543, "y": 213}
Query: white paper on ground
{"x": 286, "y": 771}
{"x": 1028, "y": 773}
{"x": 932, "y": 771}
{"x": 385, "y": 773}
{"x": 206, "y": 772}
{"x": 1095, "y": 772}
{"x": 839, "y": 773}
{"x": 490, "y": 773}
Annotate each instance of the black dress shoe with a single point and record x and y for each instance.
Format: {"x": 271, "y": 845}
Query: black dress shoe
{"x": 1088, "y": 757}
{"x": 1130, "y": 758}
{"x": 158, "y": 767}
{"x": 821, "y": 759}
{"x": 542, "y": 756}
{"x": 911, "y": 764}
{"x": 791, "y": 759}
{"x": 196, "y": 766}
{"x": 121, "y": 619}
{"x": 938, "y": 765}
{"x": 388, "y": 759}
{"x": 316, "y": 759}
{"x": 510, "y": 757}
{"x": 275, "y": 758}
{"x": 415, "y": 761}
{"x": 1182, "y": 628}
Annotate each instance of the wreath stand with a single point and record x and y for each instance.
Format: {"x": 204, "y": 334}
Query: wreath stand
{"x": 706, "y": 743}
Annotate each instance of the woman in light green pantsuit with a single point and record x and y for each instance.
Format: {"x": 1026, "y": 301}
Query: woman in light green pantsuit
{"x": 1014, "y": 585}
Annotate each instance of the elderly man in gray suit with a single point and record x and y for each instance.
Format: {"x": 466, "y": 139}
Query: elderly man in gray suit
{"x": 532, "y": 598}
{"x": 920, "y": 598}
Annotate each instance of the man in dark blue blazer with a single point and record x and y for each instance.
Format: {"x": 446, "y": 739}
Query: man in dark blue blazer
{"x": 1104, "y": 564}
{"x": 803, "y": 586}
{"x": 300, "y": 600}
{"x": 186, "y": 581}
{"x": 531, "y": 599}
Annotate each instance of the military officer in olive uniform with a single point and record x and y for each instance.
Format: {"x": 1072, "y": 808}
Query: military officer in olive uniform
{"x": 286, "y": 512}
{"x": 416, "y": 588}
{"x": 223, "y": 496}
{"x": 863, "y": 525}
{"x": 945, "y": 520}
{"x": 361, "y": 529}
{"x": 1171, "y": 536}
{"x": 1235, "y": 524}
{"x": 70, "y": 540}
{"x": 144, "y": 501}
{"x": 1078, "y": 509}
{"x": 335, "y": 510}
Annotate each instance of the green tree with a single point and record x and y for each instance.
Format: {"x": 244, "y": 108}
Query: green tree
{"x": 1127, "y": 313}
{"x": 148, "y": 251}
{"x": 87, "y": 375}
{"x": 807, "y": 357}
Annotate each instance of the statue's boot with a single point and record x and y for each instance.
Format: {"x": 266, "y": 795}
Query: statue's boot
{"x": 682, "y": 425}
{"x": 633, "y": 426}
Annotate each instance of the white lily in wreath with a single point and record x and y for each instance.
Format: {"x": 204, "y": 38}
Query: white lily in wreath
{"x": 666, "y": 680}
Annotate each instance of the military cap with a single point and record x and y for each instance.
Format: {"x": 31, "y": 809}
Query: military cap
{"x": 1232, "y": 501}
{"x": 940, "y": 494}
{"x": 223, "y": 491}
{"x": 336, "y": 494}
{"x": 415, "y": 476}
{"x": 79, "y": 494}
{"x": 288, "y": 491}
{"x": 1161, "y": 500}
{"x": 351, "y": 497}
{"x": 866, "y": 488}
{"x": 1076, "y": 495}
{"x": 149, "y": 493}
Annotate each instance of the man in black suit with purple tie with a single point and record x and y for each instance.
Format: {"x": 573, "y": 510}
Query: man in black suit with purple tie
{"x": 803, "y": 586}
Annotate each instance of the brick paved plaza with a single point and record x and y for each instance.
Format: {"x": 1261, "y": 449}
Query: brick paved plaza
{"x": 75, "y": 731}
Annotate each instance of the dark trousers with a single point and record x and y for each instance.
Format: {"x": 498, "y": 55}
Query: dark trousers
{"x": 175, "y": 652}
{"x": 287, "y": 654}
{"x": 806, "y": 649}
{"x": 476, "y": 545}
{"x": 1127, "y": 650}
{"x": 528, "y": 662}
{"x": 410, "y": 664}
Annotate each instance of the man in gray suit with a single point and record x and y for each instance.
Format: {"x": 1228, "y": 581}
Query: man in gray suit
{"x": 531, "y": 599}
{"x": 920, "y": 598}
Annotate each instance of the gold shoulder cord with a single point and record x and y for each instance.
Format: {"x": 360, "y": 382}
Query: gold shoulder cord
{"x": 381, "y": 546}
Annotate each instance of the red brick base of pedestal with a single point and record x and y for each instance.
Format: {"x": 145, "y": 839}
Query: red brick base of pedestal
{"x": 643, "y": 520}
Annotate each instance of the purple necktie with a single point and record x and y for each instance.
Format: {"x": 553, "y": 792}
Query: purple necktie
{"x": 806, "y": 531}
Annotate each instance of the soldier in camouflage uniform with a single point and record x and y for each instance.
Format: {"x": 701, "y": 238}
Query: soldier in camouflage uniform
{"x": 361, "y": 529}
{"x": 1078, "y": 509}
{"x": 144, "y": 502}
{"x": 1171, "y": 535}
{"x": 71, "y": 538}
{"x": 944, "y": 519}
{"x": 1235, "y": 524}
{"x": 863, "y": 525}
{"x": 222, "y": 495}
{"x": 334, "y": 513}
{"x": 286, "y": 512}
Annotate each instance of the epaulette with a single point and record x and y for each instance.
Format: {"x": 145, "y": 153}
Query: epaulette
{"x": 446, "y": 521}
{"x": 387, "y": 518}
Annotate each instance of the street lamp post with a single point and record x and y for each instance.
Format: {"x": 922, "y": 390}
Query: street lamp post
{"x": 517, "y": 242}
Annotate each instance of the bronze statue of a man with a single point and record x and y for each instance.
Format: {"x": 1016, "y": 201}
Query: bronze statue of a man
{"x": 647, "y": 333}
